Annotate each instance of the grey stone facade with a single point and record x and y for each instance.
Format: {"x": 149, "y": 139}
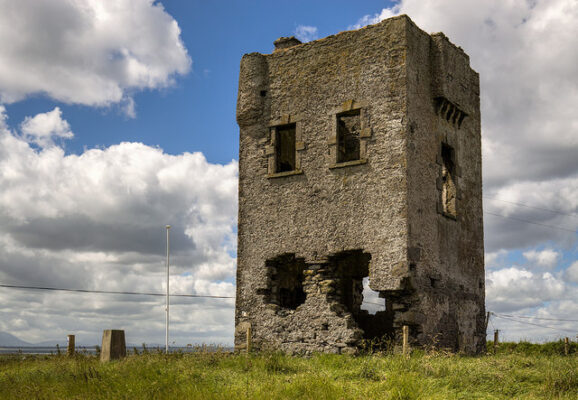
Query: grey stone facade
{"x": 360, "y": 156}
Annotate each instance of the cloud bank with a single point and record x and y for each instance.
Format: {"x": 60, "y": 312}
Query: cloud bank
{"x": 96, "y": 221}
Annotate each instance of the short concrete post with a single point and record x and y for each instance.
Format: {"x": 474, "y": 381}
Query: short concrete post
{"x": 405, "y": 343}
{"x": 566, "y": 346}
{"x": 71, "y": 346}
{"x": 113, "y": 345}
{"x": 249, "y": 344}
{"x": 496, "y": 339}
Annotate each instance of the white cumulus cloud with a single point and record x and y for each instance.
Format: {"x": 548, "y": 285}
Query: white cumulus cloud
{"x": 572, "y": 272}
{"x": 306, "y": 33}
{"x": 513, "y": 288}
{"x": 495, "y": 258}
{"x": 87, "y": 52}
{"x": 43, "y": 128}
{"x": 546, "y": 258}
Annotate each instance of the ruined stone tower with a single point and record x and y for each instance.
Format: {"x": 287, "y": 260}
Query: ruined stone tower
{"x": 360, "y": 160}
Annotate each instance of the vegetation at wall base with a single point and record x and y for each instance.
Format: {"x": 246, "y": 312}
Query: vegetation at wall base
{"x": 516, "y": 371}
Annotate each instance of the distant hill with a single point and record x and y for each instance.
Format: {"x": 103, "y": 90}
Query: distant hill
{"x": 53, "y": 343}
{"x": 9, "y": 340}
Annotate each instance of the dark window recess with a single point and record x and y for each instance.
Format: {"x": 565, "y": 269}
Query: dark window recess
{"x": 286, "y": 281}
{"x": 448, "y": 180}
{"x": 285, "y": 148}
{"x": 348, "y": 130}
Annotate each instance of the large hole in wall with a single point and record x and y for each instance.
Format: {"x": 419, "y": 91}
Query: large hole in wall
{"x": 351, "y": 269}
{"x": 286, "y": 281}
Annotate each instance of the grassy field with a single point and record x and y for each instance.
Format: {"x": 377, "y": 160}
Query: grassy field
{"x": 517, "y": 371}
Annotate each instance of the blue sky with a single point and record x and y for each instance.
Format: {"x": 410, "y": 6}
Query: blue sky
{"x": 119, "y": 118}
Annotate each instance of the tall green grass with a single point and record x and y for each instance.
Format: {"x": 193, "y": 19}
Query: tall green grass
{"x": 515, "y": 372}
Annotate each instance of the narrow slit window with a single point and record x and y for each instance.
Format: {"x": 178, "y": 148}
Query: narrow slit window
{"x": 448, "y": 181}
{"x": 348, "y": 131}
{"x": 285, "y": 148}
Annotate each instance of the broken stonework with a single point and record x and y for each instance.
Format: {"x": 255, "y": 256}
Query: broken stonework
{"x": 360, "y": 159}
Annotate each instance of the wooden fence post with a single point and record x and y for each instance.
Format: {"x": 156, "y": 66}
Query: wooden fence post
{"x": 566, "y": 346}
{"x": 71, "y": 346}
{"x": 496, "y": 339}
{"x": 405, "y": 343}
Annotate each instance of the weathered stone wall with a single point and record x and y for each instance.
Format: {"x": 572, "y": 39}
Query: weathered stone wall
{"x": 384, "y": 205}
{"x": 448, "y": 264}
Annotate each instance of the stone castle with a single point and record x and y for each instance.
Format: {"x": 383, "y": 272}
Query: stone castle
{"x": 360, "y": 162}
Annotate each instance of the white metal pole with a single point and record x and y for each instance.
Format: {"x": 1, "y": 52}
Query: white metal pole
{"x": 167, "y": 309}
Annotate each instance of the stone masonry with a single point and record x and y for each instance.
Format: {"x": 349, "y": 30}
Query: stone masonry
{"x": 360, "y": 158}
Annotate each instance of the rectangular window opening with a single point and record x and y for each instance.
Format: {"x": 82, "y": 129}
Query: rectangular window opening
{"x": 348, "y": 136}
{"x": 285, "y": 148}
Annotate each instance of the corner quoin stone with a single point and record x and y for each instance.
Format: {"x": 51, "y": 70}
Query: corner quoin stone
{"x": 360, "y": 159}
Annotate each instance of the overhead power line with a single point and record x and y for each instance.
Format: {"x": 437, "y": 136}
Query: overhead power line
{"x": 533, "y": 207}
{"x": 531, "y": 222}
{"x": 531, "y": 323}
{"x": 530, "y": 317}
{"x": 113, "y": 292}
{"x": 375, "y": 304}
